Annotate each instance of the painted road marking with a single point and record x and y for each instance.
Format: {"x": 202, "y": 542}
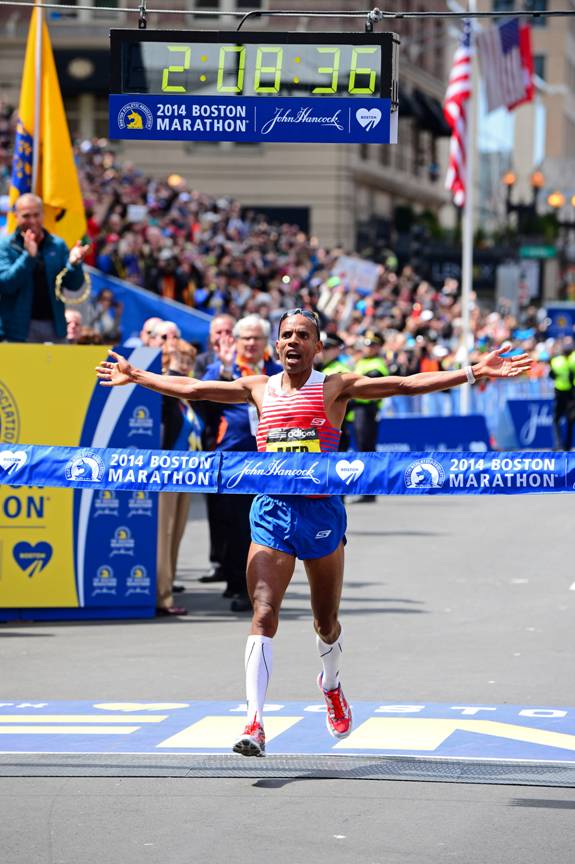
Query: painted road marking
{"x": 220, "y": 732}
{"x": 67, "y": 730}
{"x": 425, "y": 734}
{"x": 141, "y": 706}
{"x": 80, "y": 718}
{"x": 504, "y": 732}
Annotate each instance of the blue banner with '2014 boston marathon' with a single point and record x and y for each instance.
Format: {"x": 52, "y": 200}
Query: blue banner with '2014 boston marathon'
{"x": 352, "y": 473}
{"x": 250, "y": 119}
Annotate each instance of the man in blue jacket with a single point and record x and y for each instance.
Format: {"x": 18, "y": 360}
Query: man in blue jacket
{"x": 246, "y": 352}
{"x": 30, "y": 260}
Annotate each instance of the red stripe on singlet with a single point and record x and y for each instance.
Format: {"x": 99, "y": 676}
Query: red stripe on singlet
{"x": 281, "y": 410}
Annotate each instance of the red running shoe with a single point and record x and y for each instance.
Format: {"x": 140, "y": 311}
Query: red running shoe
{"x": 338, "y": 719}
{"x": 252, "y": 742}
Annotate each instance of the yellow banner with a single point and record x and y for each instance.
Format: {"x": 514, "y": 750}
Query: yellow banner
{"x": 45, "y": 392}
{"x": 57, "y": 182}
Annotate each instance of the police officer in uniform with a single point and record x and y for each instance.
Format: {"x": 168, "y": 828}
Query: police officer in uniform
{"x": 562, "y": 370}
{"x": 366, "y": 410}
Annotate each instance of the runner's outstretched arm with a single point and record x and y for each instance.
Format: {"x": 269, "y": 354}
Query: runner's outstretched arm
{"x": 120, "y": 372}
{"x": 492, "y": 365}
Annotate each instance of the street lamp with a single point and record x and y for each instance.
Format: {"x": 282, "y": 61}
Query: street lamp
{"x": 526, "y": 212}
{"x": 566, "y": 224}
{"x": 557, "y": 201}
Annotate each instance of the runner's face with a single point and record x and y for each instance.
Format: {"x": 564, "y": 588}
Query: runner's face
{"x": 297, "y": 344}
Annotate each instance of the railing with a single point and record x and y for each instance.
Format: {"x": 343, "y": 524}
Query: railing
{"x": 489, "y": 401}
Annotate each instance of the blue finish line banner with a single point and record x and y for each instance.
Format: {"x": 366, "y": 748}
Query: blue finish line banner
{"x": 351, "y": 473}
{"x": 253, "y": 118}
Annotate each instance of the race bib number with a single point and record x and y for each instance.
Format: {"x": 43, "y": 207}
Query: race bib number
{"x": 293, "y": 441}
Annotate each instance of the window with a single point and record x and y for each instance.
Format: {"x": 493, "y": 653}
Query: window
{"x": 569, "y": 133}
{"x": 503, "y": 5}
{"x": 433, "y": 167}
{"x": 420, "y": 34}
{"x": 385, "y": 154}
{"x": 97, "y": 3}
{"x": 55, "y": 15}
{"x": 100, "y": 117}
{"x": 224, "y": 6}
{"x": 539, "y": 5}
{"x": 428, "y": 45}
{"x": 417, "y": 157}
{"x": 438, "y": 49}
{"x": 400, "y": 151}
{"x": 84, "y": 14}
{"x": 539, "y": 65}
{"x": 72, "y": 112}
{"x": 87, "y": 115}
{"x": 364, "y": 152}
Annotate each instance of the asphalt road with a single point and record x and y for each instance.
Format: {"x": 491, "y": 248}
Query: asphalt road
{"x": 447, "y": 600}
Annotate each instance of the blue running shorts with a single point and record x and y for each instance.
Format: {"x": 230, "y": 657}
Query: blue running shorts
{"x": 304, "y": 527}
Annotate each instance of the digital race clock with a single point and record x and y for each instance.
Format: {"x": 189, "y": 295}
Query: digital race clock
{"x": 236, "y": 86}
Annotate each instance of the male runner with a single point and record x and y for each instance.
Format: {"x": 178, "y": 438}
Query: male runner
{"x": 303, "y": 406}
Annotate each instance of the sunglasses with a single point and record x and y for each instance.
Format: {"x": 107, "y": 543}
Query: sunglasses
{"x": 311, "y": 316}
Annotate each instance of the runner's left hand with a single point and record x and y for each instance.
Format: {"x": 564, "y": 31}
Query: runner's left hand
{"x": 493, "y": 365}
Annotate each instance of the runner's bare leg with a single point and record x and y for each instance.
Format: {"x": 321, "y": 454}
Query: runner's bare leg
{"x": 325, "y": 577}
{"x": 268, "y": 575}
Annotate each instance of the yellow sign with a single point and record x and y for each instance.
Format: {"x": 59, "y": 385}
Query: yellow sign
{"x": 45, "y": 391}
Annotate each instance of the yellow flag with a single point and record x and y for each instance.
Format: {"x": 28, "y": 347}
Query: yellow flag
{"x": 57, "y": 182}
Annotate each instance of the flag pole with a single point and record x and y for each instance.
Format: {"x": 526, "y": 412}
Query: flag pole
{"x": 37, "y": 97}
{"x": 467, "y": 234}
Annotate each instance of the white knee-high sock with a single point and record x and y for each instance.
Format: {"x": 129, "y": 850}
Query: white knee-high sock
{"x": 258, "y": 663}
{"x": 331, "y": 659}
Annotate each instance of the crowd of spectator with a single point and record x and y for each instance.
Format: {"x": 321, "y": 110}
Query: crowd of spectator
{"x": 179, "y": 243}
{"x": 165, "y": 236}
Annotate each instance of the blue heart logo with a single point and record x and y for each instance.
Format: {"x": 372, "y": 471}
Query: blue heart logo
{"x": 32, "y": 559}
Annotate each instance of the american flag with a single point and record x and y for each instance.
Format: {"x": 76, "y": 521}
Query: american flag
{"x": 506, "y": 64}
{"x": 455, "y": 111}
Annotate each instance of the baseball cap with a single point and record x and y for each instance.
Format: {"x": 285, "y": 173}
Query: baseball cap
{"x": 332, "y": 340}
{"x": 371, "y": 337}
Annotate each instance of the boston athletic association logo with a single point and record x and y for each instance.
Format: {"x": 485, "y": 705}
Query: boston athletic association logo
{"x": 424, "y": 474}
{"x": 85, "y": 467}
{"x": 9, "y": 417}
{"x": 135, "y": 116}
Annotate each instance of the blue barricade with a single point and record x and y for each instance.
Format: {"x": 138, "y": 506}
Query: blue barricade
{"x": 532, "y": 422}
{"x": 491, "y": 401}
{"x": 463, "y": 473}
{"x": 434, "y": 433}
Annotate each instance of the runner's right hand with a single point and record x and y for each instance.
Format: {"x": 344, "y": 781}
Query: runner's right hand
{"x": 114, "y": 374}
